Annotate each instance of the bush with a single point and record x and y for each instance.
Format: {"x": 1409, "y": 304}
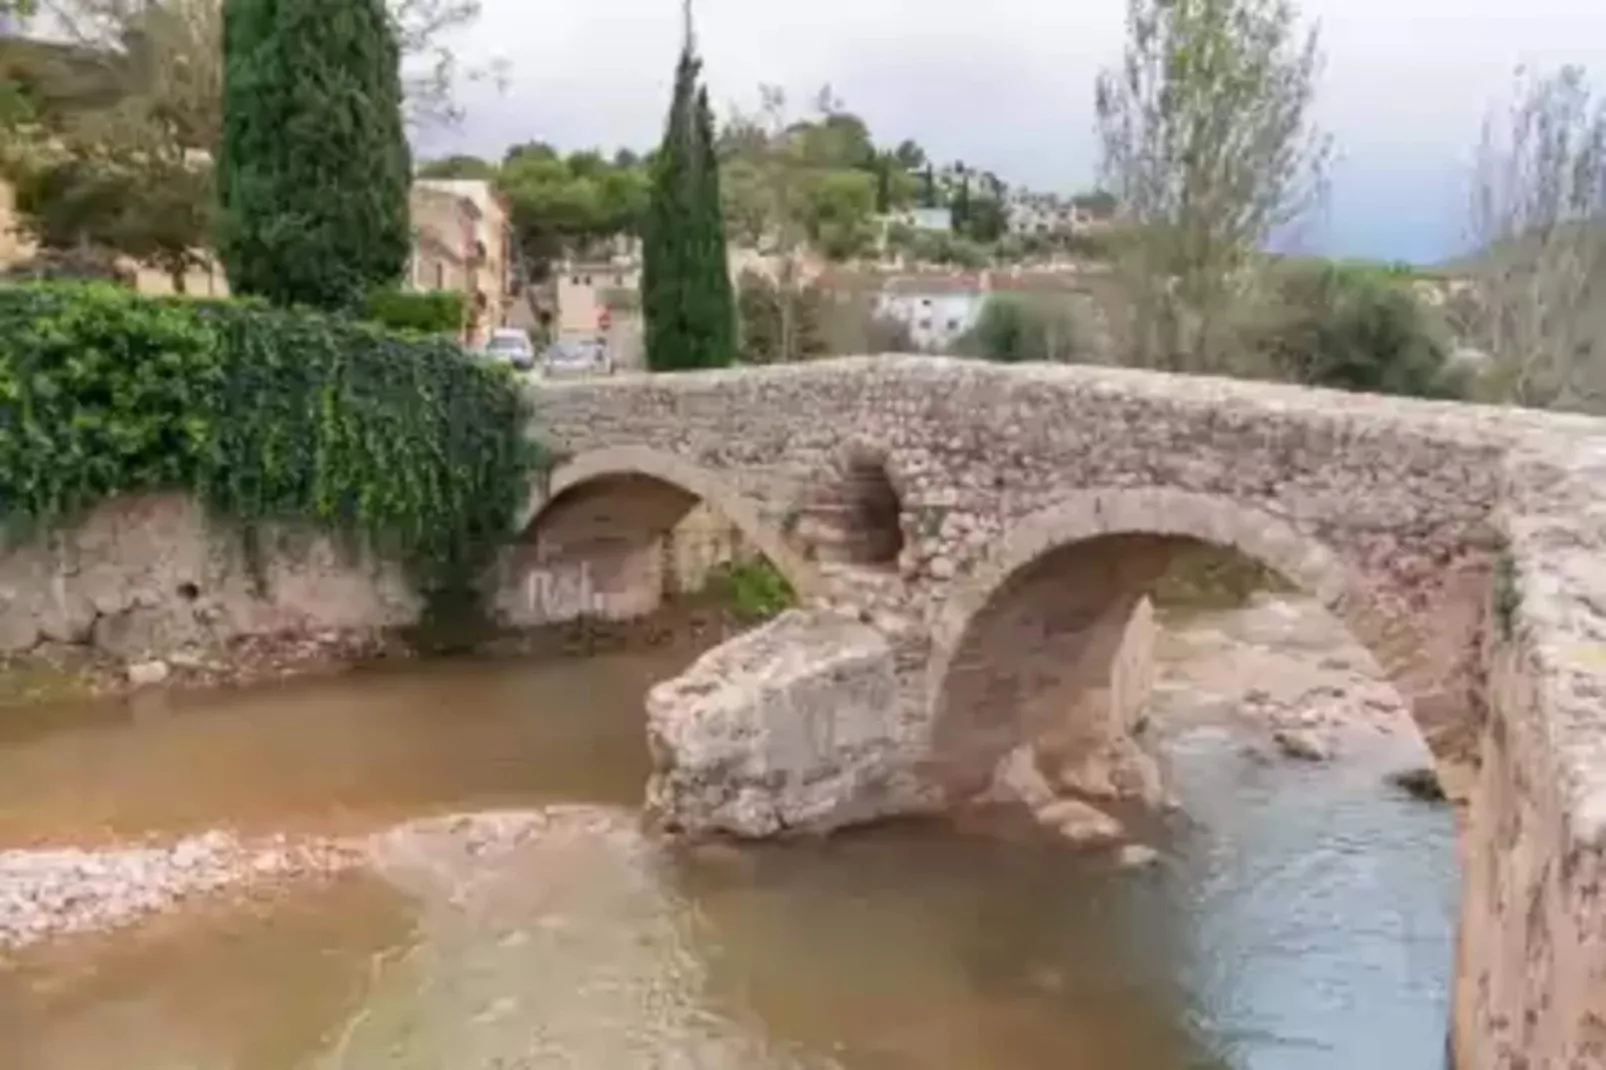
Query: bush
{"x": 767, "y": 313}
{"x": 400, "y": 445}
{"x": 1016, "y": 327}
{"x": 752, "y": 590}
{"x": 423, "y": 312}
{"x": 1353, "y": 328}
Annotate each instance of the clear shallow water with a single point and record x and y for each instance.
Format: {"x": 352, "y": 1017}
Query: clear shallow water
{"x": 1300, "y": 921}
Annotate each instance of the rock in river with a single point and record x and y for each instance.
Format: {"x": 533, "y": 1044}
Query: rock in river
{"x": 792, "y": 727}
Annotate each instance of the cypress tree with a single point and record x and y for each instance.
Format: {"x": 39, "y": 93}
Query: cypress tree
{"x": 314, "y": 169}
{"x": 687, "y": 298}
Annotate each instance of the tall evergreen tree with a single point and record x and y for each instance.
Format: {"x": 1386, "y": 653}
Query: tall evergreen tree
{"x": 313, "y": 170}
{"x": 687, "y": 297}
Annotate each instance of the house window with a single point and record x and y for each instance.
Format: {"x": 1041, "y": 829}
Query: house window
{"x": 588, "y": 280}
{"x": 925, "y": 302}
{"x": 574, "y": 280}
{"x": 953, "y": 325}
{"x": 925, "y": 323}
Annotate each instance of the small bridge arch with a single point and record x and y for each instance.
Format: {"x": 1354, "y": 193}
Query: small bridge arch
{"x": 630, "y": 495}
{"x": 1080, "y": 566}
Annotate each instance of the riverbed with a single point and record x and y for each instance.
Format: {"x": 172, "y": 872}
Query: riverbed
{"x": 505, "y": 910}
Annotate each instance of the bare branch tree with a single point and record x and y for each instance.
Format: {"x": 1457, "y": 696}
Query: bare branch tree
{"x": 1209, "y": 145}
{"x": 767, "y": 183}
{"x": 190, "y": 31}
{"x": 1538, "y": 222}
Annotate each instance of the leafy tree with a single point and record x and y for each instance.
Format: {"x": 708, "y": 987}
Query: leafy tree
{"x": 687, "y": 298}
{"x": 961, "y": 204}
{"x": 138, "y": 203}
{"x": 986, "y": 221}
{"x": 459, "y": 166}
{"x": 1209, "y": 147}
{"x": 561, "y": 205}
{"x": 910, "y": 156}
{"x": 1353, "y": 328}
{"x": 778, "y": 326}
{"x": 110, "y": 161}
{"x": 1016, "y": 327}
{"x": 839, "y": 207}
{"x": 313, "y": 168}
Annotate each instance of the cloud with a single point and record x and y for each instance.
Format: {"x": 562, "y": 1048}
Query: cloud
{"x": 1008, "y": 85}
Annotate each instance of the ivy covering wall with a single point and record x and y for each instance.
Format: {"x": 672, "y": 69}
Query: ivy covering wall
{"x": 400, "y": 444}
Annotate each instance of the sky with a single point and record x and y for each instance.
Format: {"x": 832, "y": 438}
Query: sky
{"x": 1007, "y": 86}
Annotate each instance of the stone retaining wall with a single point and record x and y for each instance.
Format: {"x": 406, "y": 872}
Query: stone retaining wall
{"x": 151, "y": 577}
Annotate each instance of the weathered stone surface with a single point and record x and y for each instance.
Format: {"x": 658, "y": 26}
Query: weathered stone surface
{"x": 148, "y": 673}
{"x": 1304, "y": 744}
{"x": 1382, "y": 508}
{"x": 1137, "y": 856}
{"x": 147, "y": 575}
{"x": 789, "y": 728}
{"x": 1081, "y": 823}
{"x": 1431, "y": 530}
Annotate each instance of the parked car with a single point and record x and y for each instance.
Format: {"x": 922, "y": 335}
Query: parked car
{"x": 576, "y": 358}
{"x": 513, "y": 346}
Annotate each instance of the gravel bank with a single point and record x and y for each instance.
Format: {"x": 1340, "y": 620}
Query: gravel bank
{"x": 48, "y": 893}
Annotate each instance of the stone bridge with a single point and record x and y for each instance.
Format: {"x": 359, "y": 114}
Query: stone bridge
{"x": 984, "y": 514}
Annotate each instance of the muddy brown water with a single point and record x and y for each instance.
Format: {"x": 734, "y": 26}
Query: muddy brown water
{"x": 1300, "y": 920}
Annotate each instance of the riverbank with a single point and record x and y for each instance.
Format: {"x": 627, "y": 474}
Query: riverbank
{"x": 56, "y": 673}
{"x": 1284, "y": 672}
{"x": 61, "y": 892}
{"x": 71, "y": 891}
{"x": 1273, "y": 670}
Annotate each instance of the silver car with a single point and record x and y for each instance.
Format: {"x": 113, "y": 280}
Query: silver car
{"x": 575, "y": 358}
{"x": 512, "y": 346}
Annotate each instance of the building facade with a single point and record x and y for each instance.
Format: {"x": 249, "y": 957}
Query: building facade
{"x": 937, "y": 310}
{"x": 462, "y": 243}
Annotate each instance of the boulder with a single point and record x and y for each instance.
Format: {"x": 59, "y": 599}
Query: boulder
{"x": 1304, "y": 744}
{"x": 1081, "y": 823}
{"x": 148, "y": 673}
{"x": 1018, "y": 779}
{"x": 790, "y": 728}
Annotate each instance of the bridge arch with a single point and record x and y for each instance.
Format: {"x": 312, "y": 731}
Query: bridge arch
{"x": 633, "y": 494}
{"x": 1080, "y": 567}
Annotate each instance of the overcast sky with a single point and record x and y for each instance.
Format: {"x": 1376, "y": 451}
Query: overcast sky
{"x": 1007, "y": 85}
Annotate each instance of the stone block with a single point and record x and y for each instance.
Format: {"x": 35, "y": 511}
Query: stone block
{"x": 790, "y": 728}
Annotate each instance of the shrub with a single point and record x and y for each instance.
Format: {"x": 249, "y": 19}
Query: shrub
{"x": 779, "y": 326}
{"x": 1353, "y": 328}
{"x": 400, "y": 445}
{"x": 752, "y": 590}
{"x": 426, "y": 312}
{"x": 1017, "y": 327}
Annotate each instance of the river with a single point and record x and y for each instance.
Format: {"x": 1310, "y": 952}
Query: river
{"x": 1300, "y": 918}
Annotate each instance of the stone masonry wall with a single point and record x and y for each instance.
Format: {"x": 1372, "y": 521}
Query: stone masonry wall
{"x": 1531, "y": 978}
{"x": 150, "y": 576}
{"x": 1462, "y": 545}
{"x": 1382, "y": 507}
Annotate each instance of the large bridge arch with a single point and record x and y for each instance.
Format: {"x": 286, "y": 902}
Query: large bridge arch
{"x": 1081, "y": 565}
{"x": 630, "y": 494}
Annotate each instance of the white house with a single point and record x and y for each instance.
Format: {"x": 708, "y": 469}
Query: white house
{"x": 923, "y": 219}
{"x": 936, "y": 309}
